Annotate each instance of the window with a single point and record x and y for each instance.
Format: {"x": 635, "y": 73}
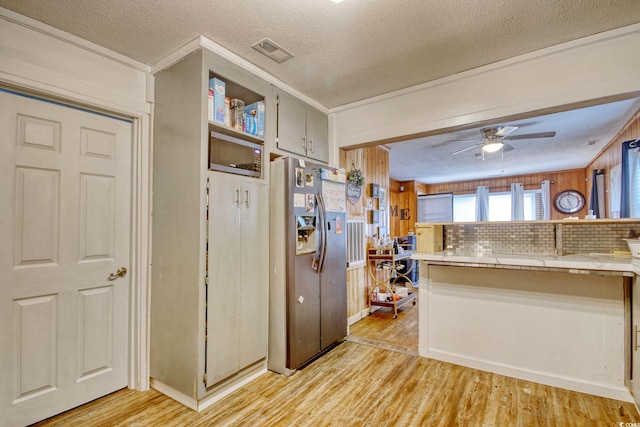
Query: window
{"x": 499, "y": 206}
{"x": 435, "y": 208}
{"x": 464, "y": 206}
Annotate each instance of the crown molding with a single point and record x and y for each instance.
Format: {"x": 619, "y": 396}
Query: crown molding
{"x": 76, "y": 41}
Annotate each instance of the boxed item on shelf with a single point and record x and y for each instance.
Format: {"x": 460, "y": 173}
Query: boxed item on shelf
{"x": 210, "y": 105}
{"x": 250, "y": 125}
{"x": 227, "y": 111}
{"x": 254, "y": 118}
{"x": 402, "y": 292}
{"x": 218, "y": 87}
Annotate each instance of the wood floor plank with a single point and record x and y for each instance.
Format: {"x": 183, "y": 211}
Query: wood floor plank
{"x": 381, "y": 325}
{"x": 360, "y": 384}
{"x": 355, "y": 385}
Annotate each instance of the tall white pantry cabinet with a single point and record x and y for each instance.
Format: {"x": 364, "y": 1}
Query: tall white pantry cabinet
{"x": 210, "y": 260}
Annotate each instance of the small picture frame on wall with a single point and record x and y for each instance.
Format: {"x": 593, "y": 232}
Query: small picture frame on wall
{"x": 369, "y": 203}
{"x": 374, "y": 216}
{"x": 382, "y": 200}
{"x": 374, "y": 190}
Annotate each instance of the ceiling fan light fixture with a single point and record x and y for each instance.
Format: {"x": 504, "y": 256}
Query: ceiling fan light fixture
{"x": 492, "y": 146}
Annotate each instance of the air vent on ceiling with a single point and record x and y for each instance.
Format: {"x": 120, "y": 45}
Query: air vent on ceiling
{"x": 272, "y": 50}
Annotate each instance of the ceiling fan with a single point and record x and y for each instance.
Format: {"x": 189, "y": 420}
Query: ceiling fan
{"x": 493, "y": 139}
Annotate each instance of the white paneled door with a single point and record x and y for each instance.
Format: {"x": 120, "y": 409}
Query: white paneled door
{"x": 65, "y": 219}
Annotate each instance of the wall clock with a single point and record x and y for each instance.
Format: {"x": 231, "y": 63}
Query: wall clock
{"x": 569, "y": 201}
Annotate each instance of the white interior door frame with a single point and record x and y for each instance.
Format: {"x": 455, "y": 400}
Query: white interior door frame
{"x": 140, "y": 242}
{"x": 141, "y": 180}
{"x": 105, "y": 81}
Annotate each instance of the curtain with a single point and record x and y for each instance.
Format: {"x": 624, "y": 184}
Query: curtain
{"x": 545, "y": 189}
{"x": 594, "y": 207}
{"x": 596, "y": 196}
{"x": 482, "y": 203}
{"x": 517, "y": 202}
{"x": 630, "y": 182}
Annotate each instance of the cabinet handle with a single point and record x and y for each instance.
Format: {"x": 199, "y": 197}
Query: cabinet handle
{"x": 304, "y": 143}
{"x": 311, "y": 144}
{"x": 246, "y": 200}
{"x": 237, "y": 201}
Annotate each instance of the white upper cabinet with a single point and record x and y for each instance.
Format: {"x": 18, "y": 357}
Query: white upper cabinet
{"x": 301, "y": 129}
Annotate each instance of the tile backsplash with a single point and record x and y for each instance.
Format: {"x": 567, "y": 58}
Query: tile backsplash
{"x": 600, "y": 238}
{"x": 538, "y": 237}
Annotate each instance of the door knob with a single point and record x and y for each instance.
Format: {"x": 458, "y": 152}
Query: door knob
{"x": 120, "y": 273}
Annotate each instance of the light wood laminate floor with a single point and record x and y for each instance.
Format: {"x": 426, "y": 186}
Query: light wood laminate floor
{"x": 363, "y": 384}
{"x": 381, "y": 326}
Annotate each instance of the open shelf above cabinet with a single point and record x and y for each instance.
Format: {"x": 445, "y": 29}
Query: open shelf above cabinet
{"x": 236, "y": 124}
{"x": 234, "y": 90}
{"x": 226, "y": 130}
{"x": 231, "y": 105}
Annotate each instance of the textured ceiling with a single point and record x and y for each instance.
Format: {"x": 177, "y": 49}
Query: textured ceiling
{"x": 580, "y": 135}
{"x": 343, "y": 52}
{"x": 362, "y": 48}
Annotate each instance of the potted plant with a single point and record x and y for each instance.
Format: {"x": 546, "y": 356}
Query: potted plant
{"x": 356, "y": 176}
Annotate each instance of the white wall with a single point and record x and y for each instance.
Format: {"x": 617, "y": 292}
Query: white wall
{"x": 556, "y": 328}
{"x": 41, "y": 58}
{"x": 601, "y": 66}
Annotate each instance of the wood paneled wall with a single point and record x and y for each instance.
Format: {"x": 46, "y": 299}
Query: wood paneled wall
{"x": 560, "y": 180}
{"x": 403, "y": 207}
{"x": 374, "y": 163}
{"x": 611, "y": 156}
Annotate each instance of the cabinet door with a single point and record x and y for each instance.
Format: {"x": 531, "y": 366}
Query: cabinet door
{"x": 254, "y": 268}
{"x": 224, "y": 272}
{"x": 291, "y": 132}
{"x": 317, "y": 135}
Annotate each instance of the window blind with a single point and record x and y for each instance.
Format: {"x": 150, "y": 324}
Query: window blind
{"x": 435, "y": 208}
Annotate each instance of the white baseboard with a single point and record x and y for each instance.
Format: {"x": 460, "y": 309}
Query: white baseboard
{"x": 361, "y": 315}
{"x": 609, "y": 391}
{"x": 215, "y": 395}
{"x": 174, "y": 394}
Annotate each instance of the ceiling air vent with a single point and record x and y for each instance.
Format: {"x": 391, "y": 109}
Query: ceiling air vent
{"x": 272, "y": 50}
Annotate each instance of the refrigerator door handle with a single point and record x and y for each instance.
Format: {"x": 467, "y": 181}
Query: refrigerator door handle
{"x": 323, "y": 243}
{"x": 320, "y": 232}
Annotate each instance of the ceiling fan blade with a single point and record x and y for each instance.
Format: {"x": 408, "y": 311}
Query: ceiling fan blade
{"x": 506, "y": 148}
{"x": 458, "y": 140}
{"x": 506, "y": 130}
{"x": 464, "y": 149}
{"x": 530, "y": 136}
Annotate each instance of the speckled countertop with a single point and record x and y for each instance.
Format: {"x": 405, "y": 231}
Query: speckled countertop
{"x": 580, "y": 263}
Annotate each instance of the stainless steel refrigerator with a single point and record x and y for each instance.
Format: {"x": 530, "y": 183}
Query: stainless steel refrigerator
{"x": 308, "y": 290}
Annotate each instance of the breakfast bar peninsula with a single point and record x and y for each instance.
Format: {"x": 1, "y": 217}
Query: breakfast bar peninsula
{"x": 546, "y": 314}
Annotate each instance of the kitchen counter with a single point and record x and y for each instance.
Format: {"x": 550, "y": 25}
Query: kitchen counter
{"x": 623, "y": 265}
{"x": 555, "y": 320}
